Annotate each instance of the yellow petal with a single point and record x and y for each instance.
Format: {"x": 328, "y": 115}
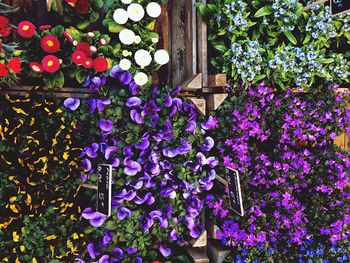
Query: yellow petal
{"x": 51, "y": 237}
{"x": 20, "y": 111}
{"x": 13, "y": 198}
{"x": 14, "y": 208}
{"x": 15, "y": 236}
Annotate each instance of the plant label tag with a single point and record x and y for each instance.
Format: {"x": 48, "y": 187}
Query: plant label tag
{"x": 339, "y": 7}
{"x": 104, "y": 189}
{"x": 234, "y": 190}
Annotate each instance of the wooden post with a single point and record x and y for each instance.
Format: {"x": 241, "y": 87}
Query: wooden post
{"x": 197, "y": 254}
{"x": 215, "y": 100}
{"x": 217, "y": 252}
{"x": 202, "y": 47}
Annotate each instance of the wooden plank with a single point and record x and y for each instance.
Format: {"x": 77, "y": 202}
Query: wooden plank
{"x": 346, "y": 142}
{"x": 201, "y": 241}
{"x": 192, "y": 83}
{"x": 340, "y": 141}
{"x": 190, "y": 39}
{"x": 211, "y": 228}
{"x": 215, "y": 100}
{"x": 178, "y": 24}
{"x": 213, "y": 90}
{"x": 218, "y": 80}
{"x": 200, "y": 104}
{"x": 197, "y": 254}
{"x": 202, "y": 37}
{"x": 217, "y": 252}
{"x": 90, "y": 186}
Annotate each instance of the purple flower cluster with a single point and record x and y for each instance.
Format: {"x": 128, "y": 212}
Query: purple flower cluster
{"x": 163, "y": 164}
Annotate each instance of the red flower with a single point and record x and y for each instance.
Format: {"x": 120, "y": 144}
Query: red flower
{"x": 156, "y": 261}
{"x": 68, "y": 36}
{"x": 88, "y": 63}
{"x": 80, "y": 6}
{"x": 3, "y": 21}
{"x": 50, "y": 63}
{"x": 78, "y": 57}
{"x": 85, "y": 47}
{"x": 100, "y": 64}
{"x": 36, "y": 67}
{"x": 44, "y": 27}
{"x": 15, "y": 65}
{"x": 50, "y": 44}
{"x": 26, "y": 29}
{"x": 3, "y": 70}
{"x": 5, "y": 28}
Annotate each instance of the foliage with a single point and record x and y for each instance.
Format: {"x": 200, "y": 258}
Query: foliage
{"x": 39, "y": 188}
{"x": 292, "y": 47}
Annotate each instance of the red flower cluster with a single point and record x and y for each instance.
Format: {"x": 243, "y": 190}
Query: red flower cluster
{"x": 5, "y": 28}
{"x": 80, "y": 6}
{"x": 14, "y": 66}
{"x": 82, "y": 56}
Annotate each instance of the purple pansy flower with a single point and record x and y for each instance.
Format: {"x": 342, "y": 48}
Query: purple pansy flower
{"x": 164, "y": 250}
{"x": 96, "y": 219}
{"x": 91, "y": 250}
{"x": 106, "y": 125}
{"x": 98, "y": 104}
{"x": 115, "y": 71}
{"x": 143, "y": 145}
{"x": 86, "y": 164}
{"x": 136, "y": 116}
{"x": 125, "y": 78}
{"x": 91, "y": 152}
{"x": 211, "y": 123}
{"x": 208, "y": 144}
{"x": 104, "y": 259}
{"x": 191, "y": 126}
{"x": 110, "y": 150}
{"x": 131, "y": 167}
{"x": 133, "y": 102}
{"x": 72, "y": 103}
{"x": 123, "y": 212}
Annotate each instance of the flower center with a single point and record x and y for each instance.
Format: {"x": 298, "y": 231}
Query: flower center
{"x": 50, "y": 63}
{"x": 49, "y": 43}
{"x": 25, "y": 28}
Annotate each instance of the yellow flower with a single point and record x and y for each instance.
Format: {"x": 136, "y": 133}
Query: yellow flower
{"x": 22, "y": 248}
{"x": 17, "y": 260}
{"x": 15, "y": 236}
{"x": 34, "y": 260}
{"x": 51, "y": 237}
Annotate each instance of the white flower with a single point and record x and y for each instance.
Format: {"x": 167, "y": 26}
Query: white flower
{"x": 155, "y": 39}
{"x": 141, "y": 79}
{"x": 126, "y": 1}
{"x": 143, "y": 58}
{"x": 161, "y": 57}
{"x": 127, "y": 36}
{"x": 120, "y": 16}
{"x": 153, "y": 9}
{"x": 136, "y": 12}
{"x": 125, "y": 64}
{"x": 137, "y": 40}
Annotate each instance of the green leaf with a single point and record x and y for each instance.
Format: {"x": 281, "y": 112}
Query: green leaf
{"x": 59, "y": 79}
{"x": 83, "y": 24}
{"x": 291, "y": 37}
{"x": 151, "y": 25}
{"x": 80, "y": 76}
{"x": 264, "y": 11}
{"x": 113, "y": 27}
{"x": 221, "y": 48}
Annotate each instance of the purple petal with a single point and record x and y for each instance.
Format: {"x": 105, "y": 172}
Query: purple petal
{"x": 92, "y": 105}
{"x": 115, "y": 71}
{"x": 91, "y": 250}
{"x": 131, "y": 167}
{"x": 98, "y": 221}
{"x": 88, "y": 213}
{"x": 72, "y": 103}
{"x": 125, "y": 78}
{"x": 110, "y": 151}
{"x": 134, "y": 88}
{"x": 106, "y": 125}
{"x": 133, "y": 102}
{"x": 211, "y": 123}
{"x": 144, "y": 144}
{"x": 86, "y": 164}
{"x": 136, "y": 116}
{"x": 118, "y": 251}
{"x": 104, "y": 259}
{"x": 123, "y": 212}
{"x": 168, "y": 101}
{"x": 191, "y": 126}
{"x": 165, "y": 251}
{"x": 208, "y": 144}
{"x": 102, "y": 103}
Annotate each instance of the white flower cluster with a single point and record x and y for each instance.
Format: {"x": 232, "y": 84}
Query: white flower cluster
{"x": 142, "y": 57}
